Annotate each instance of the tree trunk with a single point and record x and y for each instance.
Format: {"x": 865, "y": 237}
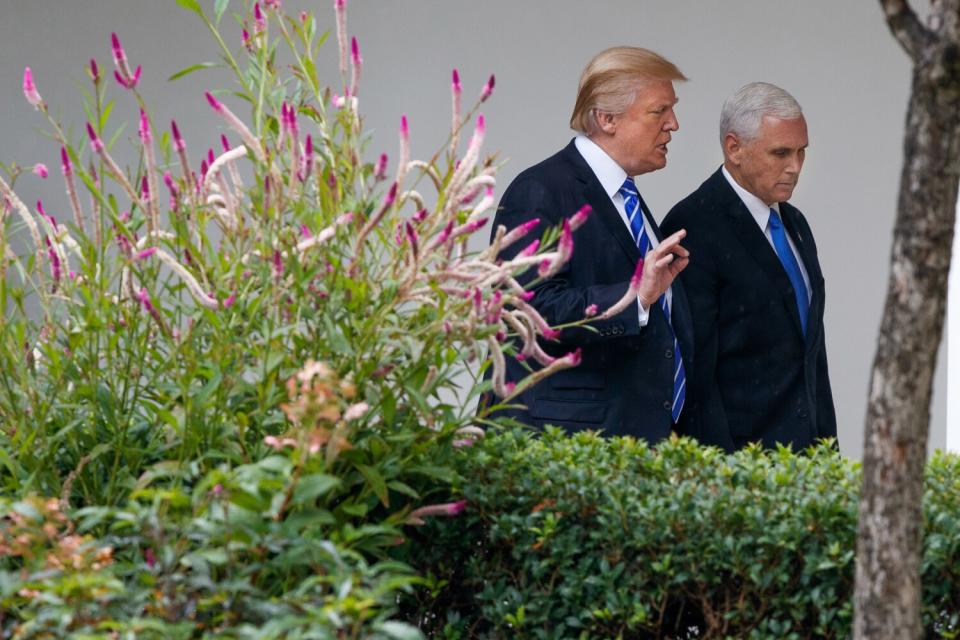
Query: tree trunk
{"x": 888, "y": 590}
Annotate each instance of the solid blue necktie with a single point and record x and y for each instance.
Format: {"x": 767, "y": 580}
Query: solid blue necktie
{"x": 631, "y": 201}
{"x": 790, "y": 265}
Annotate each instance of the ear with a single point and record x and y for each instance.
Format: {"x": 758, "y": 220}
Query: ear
{"x": 606, "y": 121}
{"x": 732, "y": 148}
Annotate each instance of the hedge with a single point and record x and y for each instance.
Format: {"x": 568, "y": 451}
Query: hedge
{"x": 584, "y": 537}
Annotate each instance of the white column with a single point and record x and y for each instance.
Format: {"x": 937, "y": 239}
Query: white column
{"x": 953, "y": 347}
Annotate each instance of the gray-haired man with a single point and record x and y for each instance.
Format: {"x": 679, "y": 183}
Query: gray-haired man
{"x": 754, "y": 285}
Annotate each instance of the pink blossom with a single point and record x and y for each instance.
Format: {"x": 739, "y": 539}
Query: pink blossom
{"x": 487, "y": 88}
{"x": 530, "y": 249}
{"x": 340, "y": 7}
{"x": 149, "y": 557}
{"x": 277, "y": 264}
{"x": 590, "y": 311}
{"x": 229, "y": 301}
{"x": 66, "y": 167}
{"x": 412, "y": 237}
{"x": 144, "y": 299}
{"x": 40, "y": 169}
{"x": 146, "y": 253}
{"x": 178, "y": 142}
{"x": 448, "y": 509}
{"x": 54, "y": 261}
{"x": 260, "y": 22}
{"x": 145, "y": 188}
{"x": 303, "y": 16}
{"x": 146, "y": 135}
{"x": 391, "y": 196}
{"x": 356, "y": 411}
{"x": 637, "y": 275}
{"x": 551, "y": 334}
{"x": 216, "y": 104}
{"x": 580, "y": 217}
{"x": 30, "y": 90}
{"x": 272, "y": 4}
{"x": 455, "y": 82}
{"x": 122, "y": 73}
{"x": 224, "y": 142}
{"x": 95, "y": 140}
{"x": 94, "y": 71}
{"x": 518, "y": 232}
{"x": 279, "y": 443}
{"x": 380, "y": 169}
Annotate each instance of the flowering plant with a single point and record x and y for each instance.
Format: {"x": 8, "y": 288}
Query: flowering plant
{"x": 255, "y": 373}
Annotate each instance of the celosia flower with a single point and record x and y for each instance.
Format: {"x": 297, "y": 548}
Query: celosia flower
{"x": 590, "y": 311}
{"x": 272, "y": 4}
{"x": 122, "y": 73}
{"x": 40, "y": 169}
{"x": 65, "y": 165}
{"x": 95, "y": 140}
{"x": 178, "y": 142}
{"x": 224, "y": 142}
{"x": 30, "y": 90}
{"x": 94, "y": 71}
{"x": 487, "y": 88}
{"x": 380, "y": 169}
{"x": 448, "y": 510}
{"x": 146, "y": 253}
{"x": 260, "y": 23}
{"x": 357, "y": 63}
{"x": 530, "y": 249}
{"x": 229, "y": 301}
{"x": 340, "y": 8}
{"x": 580, "y": 217}
{"x": 146, "y": 136}
{"x": 144, "y": 299}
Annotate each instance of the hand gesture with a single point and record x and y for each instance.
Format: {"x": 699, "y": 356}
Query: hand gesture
{"x": 661, "y": 265}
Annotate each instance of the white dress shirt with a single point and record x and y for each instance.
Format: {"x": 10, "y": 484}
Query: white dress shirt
{"x": 611, "y": 176}
{"x": 761, "y": 213}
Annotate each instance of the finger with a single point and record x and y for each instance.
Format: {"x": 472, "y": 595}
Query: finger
{"x": 664, "y": 261}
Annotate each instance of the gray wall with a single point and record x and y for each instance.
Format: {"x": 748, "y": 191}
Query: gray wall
{"x": 837, "y": 58}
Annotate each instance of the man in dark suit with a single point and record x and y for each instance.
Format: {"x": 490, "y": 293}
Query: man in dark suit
{"x": 755, "y": 286}
{"x": 632, "y": 376}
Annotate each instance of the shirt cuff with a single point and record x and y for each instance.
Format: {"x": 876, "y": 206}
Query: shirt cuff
{"x": 643, "y": 313}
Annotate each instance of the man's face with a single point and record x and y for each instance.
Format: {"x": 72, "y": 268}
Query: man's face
{"x": 641, "y": 133}
{"x": 769, "y": 165}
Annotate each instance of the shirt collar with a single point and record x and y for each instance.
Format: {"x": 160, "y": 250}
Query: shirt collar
{"x": 608, "y": 172}
{"x": 757, "y": 208}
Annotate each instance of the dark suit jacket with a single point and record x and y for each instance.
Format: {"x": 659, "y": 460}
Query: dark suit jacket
{"x": 624, "y": 384}
{"x": 757, "y": 378}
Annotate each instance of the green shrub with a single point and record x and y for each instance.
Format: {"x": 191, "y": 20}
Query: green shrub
{"x": 582, "y": 537}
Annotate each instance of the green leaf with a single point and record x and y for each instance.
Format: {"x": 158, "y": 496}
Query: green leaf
{"x": 191, "y": 69}
{"x": 400, "y": 630}
{"x": 191, "y": 5}
{"x": 376, "y": 482}
{"x": 219, "y": 8}
{"x": 313, "y": 486}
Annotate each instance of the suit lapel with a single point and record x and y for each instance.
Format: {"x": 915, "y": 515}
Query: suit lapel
{"x": 603, "y": 207}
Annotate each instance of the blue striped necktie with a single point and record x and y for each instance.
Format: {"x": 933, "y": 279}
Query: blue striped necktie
{"x": 631, "y": 201}
{"x": 791, "y": 266}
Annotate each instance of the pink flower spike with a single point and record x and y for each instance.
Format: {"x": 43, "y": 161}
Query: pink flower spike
{"x": 380, "y": 170}
{"x": 303, "y": 17}
{"x": 65, "y": 165}
{"x": 146, "y": 253}
{"x": 305, "y": 232}
{"x": 149, "y": 557}
{"x": 355, "y": 52}
{"x": 481, "y": 126}
{"x": 95, "y": 140}
{"x": 404, "y": 129}
{"x": 391, "y": 196}
{"x": 530, "y": 249}
{"x": 178, "y": 142}
{"x": 210, "y": 157}
{"x": 527, "y": 296}
{"x": 224, "y": 142}
{"x": 245, "y": 38}
{"x": 229, "y": 301}
{"x": 216, "y": 104}
{"x": 580, "y": 217}
{"x": 566, "y": 240}
{"x": 94, "y": 71}
{"x": 30, "y": 90}
{"x": 412, "y": 237}
{"x": 260, "y": 23}
{"x": 488, "y": 88}
{"x": 448, "y": 510}
{"x": 144, "y": 188}
{"x": 277, "y": 263}
{"x": 574, "y": 357}
{"x": 356, "y": 411}
{"x": 455, "y": 83}
{"x": 551, "y": 334}
{"x": 146, "y": 136}
{"x": 637, "y": 275}
{"x": 119, "y": 55}
{"x": 40, "y": 169}
{"x": 590, "y": 311}
{"x": 340, "y": 5}
{"x": 476, "y": 224}
{"x": 272, "y": 4}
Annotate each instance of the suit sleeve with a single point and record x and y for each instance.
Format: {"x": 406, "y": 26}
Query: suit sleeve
{"x": 557, "y": 299}
{"x": 707, "y": 418}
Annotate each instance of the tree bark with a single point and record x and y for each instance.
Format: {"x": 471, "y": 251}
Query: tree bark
{"x": 888, "y": 589}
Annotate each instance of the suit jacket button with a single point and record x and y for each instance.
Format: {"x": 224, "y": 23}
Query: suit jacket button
{"x": 667, "y": 405}
{"x": 668, "y": 354}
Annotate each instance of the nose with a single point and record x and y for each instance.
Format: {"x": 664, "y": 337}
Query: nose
{"x": 671, "y": 123}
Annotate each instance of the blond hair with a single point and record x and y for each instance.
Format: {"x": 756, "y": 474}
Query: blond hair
{"x": 610, "y": 82}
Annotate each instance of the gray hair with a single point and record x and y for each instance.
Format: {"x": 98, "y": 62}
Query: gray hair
{"x": 744, "y": 110}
